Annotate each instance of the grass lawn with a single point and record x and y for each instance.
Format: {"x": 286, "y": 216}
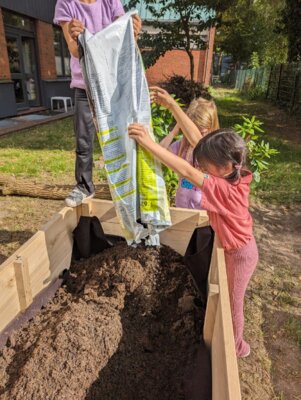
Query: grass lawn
{"x": 45, "y": 152}
{"x": 281, "y": 183}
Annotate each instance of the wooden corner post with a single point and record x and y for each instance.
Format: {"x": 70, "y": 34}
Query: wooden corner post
{"x": 23, "y": 282}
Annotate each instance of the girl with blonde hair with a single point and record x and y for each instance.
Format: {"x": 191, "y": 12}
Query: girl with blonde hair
{"x": 204, "y": 115}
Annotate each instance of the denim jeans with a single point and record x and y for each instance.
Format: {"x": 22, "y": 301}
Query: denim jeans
{"x": 84, "y": 129}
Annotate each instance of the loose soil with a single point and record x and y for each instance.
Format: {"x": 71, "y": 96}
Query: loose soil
{"x": 123, "y": 326}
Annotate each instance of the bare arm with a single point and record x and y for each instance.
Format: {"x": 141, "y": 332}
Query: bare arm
{"x": 189, "y": 129}
{"x": 72, "y": 29}
{"x": 139, "y": 133}
{"x": 165, "y": 142}
{"x": 71, "y": 32}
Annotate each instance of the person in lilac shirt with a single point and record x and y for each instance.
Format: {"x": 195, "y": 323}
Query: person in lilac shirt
{"x": 74, "y": 16}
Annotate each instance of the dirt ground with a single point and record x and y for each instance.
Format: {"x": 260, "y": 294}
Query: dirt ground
{"x": 273, "y": 307}
{"x": 20, "y": 218}
{"x": 276, "y": 120}
{"x": 123, "y": 326}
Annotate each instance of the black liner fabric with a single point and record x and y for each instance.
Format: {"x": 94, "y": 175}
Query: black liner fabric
{"x": 198, "y": 384}
{"x": 198, "y": 256}
{"x": 89, "y": 238}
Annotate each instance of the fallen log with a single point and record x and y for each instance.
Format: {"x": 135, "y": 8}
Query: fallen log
{"x": 12, "y": 186}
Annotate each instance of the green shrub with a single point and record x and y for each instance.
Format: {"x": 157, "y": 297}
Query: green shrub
{"x": 184, "y": 89}
{"x": 163, "y": 121}
{"x": 256, "y": 93}
{"x": 259, "y": 151}
{"x": 171, "y": 180}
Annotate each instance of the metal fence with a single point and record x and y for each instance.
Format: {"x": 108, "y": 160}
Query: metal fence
{"x": 252, "y": 78}
{"x": 280, "y": 83}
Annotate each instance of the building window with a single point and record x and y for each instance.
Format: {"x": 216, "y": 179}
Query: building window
{"x": 62, "y": 56}
{"x": 17, "y": 21}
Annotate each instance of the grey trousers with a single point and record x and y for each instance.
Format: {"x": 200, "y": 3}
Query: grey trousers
{"x": 84, "y": 129}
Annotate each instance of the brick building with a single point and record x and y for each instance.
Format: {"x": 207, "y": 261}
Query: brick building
{"x": 177, "y": 61}
{"x": 34, "y": 59}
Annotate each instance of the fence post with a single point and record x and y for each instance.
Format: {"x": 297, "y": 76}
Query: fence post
{"x": 269, "y": 83}
{"x": 296, "y": 85}
{"x": 279, "y": 82}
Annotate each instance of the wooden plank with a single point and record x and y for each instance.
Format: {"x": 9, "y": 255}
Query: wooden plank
{"x": 23, "y": 282}
{"x": 46, "y": 254}
{"x": 59, "y": 240}
{"x": 225, "y": 377}
{"x": 105, "y": 211}
{"x": 184, "y": 221}
{"x": 210, "y": 316}
{"x": 212, "y": 299}
{"x": 38, "y": 262}
{"x": 9, "y": 299}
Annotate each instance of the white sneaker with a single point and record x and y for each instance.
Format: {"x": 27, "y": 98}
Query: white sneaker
{"x": 76, "y": 197}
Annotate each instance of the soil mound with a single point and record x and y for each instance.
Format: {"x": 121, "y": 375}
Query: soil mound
{"x": 123, "y": 326}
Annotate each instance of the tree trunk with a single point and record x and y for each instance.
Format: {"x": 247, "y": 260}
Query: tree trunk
{"x": 22, "y": 187}
{"x": 191, "y": 59}
{"x": 220, "y": 64}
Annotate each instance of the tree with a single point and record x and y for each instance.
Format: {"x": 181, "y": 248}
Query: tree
{"x": 290, "y": 25}
{"x": 184, "y": 32}
{"x": 248, "y": 27}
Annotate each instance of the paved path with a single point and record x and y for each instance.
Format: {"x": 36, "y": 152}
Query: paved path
{"x": 10, "y": 125}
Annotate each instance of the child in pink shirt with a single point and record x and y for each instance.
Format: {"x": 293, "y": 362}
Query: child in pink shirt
{"x": 220, "y": 158}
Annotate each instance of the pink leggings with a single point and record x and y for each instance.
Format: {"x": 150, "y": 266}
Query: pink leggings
{"x": 240, "y": 265}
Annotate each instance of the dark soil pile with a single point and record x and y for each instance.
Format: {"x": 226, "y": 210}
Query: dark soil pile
{"x": 123, "y": 326}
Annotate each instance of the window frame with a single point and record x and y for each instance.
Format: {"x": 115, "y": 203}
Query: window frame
{"x": 63, "y": 50}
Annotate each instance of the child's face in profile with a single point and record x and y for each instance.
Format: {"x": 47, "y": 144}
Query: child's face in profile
{"x": 218, "y": 171}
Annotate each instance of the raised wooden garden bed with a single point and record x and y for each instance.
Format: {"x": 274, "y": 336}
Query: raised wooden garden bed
{"x": 42, "y": 259}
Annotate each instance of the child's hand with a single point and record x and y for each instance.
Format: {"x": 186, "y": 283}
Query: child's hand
{"x": 75, "y": 28}
{"x": 139, "y": 133}
{"x": 161, "y": 96}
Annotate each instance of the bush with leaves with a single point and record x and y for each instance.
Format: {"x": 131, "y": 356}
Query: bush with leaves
{"x": 256, "y": 93}
{"x": 259, "y": 151}
{"x": 163, "y": 121}
{"x": 184, "y": 89}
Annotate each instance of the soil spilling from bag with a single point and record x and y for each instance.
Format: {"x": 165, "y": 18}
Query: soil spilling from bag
{"x": 123, "y": 326}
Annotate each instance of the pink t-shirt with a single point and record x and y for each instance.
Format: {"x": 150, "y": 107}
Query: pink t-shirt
{"x": 95, "y": 16}
{"x": 228, "y": 208}
{"x": 188, "y": 195}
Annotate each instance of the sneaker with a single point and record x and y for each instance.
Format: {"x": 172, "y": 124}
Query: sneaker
{"x": 76, "y": 197}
